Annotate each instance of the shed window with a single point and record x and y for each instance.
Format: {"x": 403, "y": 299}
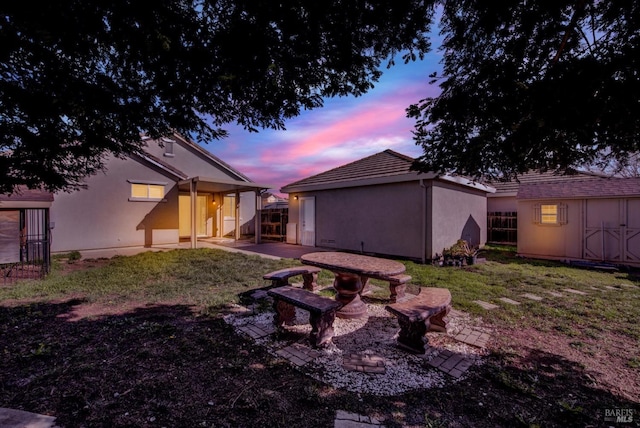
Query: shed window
{"x": 147, "y": 192}
{"x": 550, "y": 214}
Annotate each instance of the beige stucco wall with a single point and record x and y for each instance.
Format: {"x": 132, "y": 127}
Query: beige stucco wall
{"x": 102, "y": 216}
{"x": 550, "y": 241}
{"x": 390, "y": 219}
{"x": 457, "y": 213}
{"x": 190, "y": 161}
{"x": 382, "y": 219}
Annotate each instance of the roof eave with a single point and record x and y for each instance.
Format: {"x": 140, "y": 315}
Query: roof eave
{"x": 399, "y": 178}
{"x": 464, "y": 181}
{"x": 218, "y": 185}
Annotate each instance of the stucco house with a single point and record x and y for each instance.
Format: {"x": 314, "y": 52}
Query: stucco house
{"x": 172, "y": 190}
{"x": 594, "y": 219}
{"x": 377, "y": 205}
{"x": 502, "y": 206}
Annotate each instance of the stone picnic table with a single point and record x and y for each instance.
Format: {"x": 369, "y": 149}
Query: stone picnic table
{"x": 352, "y": 272}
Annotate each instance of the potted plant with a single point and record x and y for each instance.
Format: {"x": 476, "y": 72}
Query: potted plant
{"x": 463, "y": 252}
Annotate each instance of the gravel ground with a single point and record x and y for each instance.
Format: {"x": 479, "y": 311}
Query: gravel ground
{"x": 372, "y": 335}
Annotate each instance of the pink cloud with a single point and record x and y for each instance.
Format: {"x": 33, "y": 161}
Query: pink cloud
{"x": 343, "y": 131}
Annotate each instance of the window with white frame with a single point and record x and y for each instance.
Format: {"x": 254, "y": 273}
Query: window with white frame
{"x": 550, "y": 214}
{"x": 141, "y": 191}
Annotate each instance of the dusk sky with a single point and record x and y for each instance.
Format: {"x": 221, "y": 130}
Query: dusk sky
{"x": 344, "y": 130}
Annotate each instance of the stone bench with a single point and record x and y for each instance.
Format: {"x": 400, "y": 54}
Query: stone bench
{"x": 423, "y": 313}
{"x": 281, "y": 277}
{"x": 322, "y": 311}
{"x": 397, "y": 286}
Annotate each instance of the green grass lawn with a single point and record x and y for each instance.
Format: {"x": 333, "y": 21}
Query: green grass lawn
{"x": 61, "y": 367}
{"x": 213, "y": 279}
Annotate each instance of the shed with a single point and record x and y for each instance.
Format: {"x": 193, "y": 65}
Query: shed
{"x": 378, "y": 205}
{"x": 24, "y": 234}
{"x": 590, "y": 220}
{"x": 502, "y": 207}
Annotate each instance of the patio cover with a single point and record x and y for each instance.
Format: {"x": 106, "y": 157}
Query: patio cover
{"x": 225, "y": 186}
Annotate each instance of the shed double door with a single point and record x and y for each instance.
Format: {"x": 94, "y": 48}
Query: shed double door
{"x": 612, "y": 230}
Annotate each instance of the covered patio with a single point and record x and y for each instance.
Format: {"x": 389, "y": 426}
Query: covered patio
{"x": 217, "y": 189}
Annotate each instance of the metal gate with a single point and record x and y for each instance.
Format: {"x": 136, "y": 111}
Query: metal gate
{"x": 612, "y": 231}
{"x": 25, "y": 242}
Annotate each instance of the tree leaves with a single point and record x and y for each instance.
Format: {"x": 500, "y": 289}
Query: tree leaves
{"x": 533, "y": 85}
{"x": 79, "y": 80}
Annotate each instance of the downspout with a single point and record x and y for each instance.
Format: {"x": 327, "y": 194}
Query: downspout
{"x": 424, "y": 221}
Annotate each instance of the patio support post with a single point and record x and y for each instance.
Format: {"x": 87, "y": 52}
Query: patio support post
{"x": 258, "y": 217}
{"x": 193, "y": 191}
{"x": 237, "y": 208}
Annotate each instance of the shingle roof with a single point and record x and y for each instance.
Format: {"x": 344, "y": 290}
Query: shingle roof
{"x": 590, "y": 188}
{"x": 539, "y": 177}
{"x": 384, "y": 164}
{"x": 22, "y": 193}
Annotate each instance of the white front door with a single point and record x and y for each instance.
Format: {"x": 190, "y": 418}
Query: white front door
{"x": 308, "y": 221}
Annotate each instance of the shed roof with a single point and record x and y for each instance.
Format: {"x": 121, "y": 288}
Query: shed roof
{"x": 387, "y": 166}
{"x": 384, "y": 164}
{"x": 505, "y": 188}
{"x": 602, "y": 187}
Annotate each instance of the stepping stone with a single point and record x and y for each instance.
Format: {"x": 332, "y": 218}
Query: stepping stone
{"x": 364, "y": 363}
{"x": 509, "y": 301}
{"x": 11, "y": 418}
{"x": 608, "y": 287}
{"x": 486, "y": 305}
{"x": 556, "y": 294}
{"x": 298, "y": 354}
{"x": 571, "y": 290}
{"x": 451, "y": 363}
{"x": 472, "y": 337}
{"x": 354, "y": 420}
{"x": 532, "y": 297}
{"x": 628, "y": 286}
{"x": 257, "y": 331}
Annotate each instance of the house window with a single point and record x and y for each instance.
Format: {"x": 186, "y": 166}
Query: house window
{"x": 229, "y": 207}
{"x": 550, "y": 214}
{"x": 147, "y": 192}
